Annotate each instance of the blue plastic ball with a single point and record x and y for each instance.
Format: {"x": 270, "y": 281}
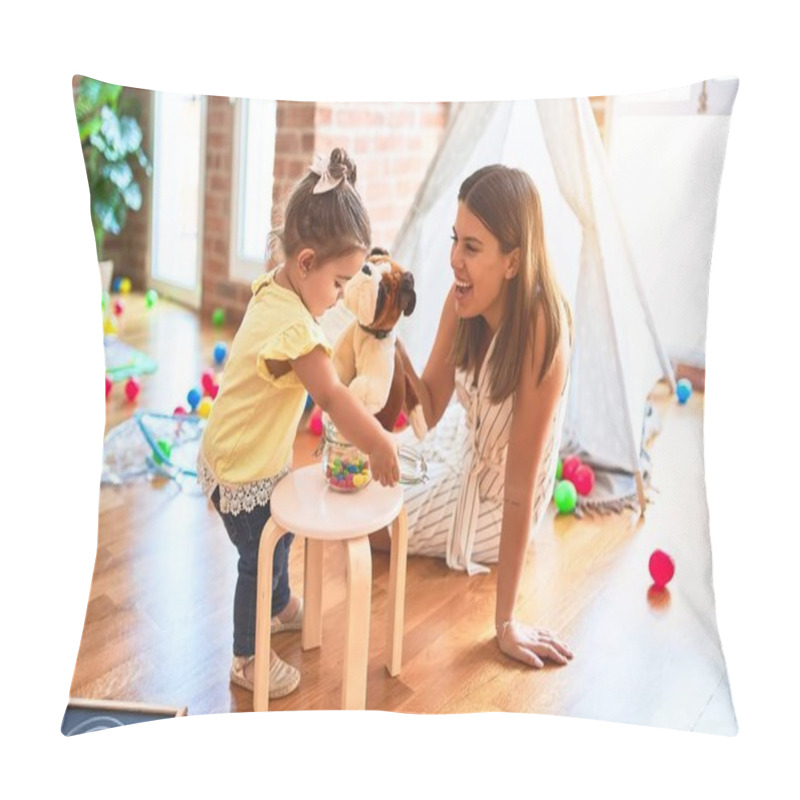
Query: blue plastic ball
{"x": 220, "y": 352}
{"x": 683, "y": 390}
{"x": 194, "y": 397}
{"x": 309, "y": 402}
{"x": 116, "y": 284}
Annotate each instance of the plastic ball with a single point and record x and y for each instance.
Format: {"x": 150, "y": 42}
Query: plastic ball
{"x": 218, "y": 317}
{"x": 220, "y": 352}
{"x": 104, "y": 300}
{"x": 164, "y": 451}
{"x": 566, "y": 497}
{"x": 193, "y": 398}
{"x": 118, "y": 308}
{"x": 559, "y": 470}
{"x": 568, "y": 469}
{"x": 584, "y": 479}
{"x": 109, "y": 326}
{"x": 125, "y": 285}
{"x": 115, "y": 284}
{"x": 204, "y": 407}
{"x": 109, "y": 384}
{"x": 683, "y": 390}
{"x": 207, "y": 380}
{"x": 315, "y": 422}
{"x": 132, "y": 387}
{"x": 213, "y": 391}
{"x": 150, "y": 298}
{"x": 662, "y": 568}
{"x": 179, "y": 411}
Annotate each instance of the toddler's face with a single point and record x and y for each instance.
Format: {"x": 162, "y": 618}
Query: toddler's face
{"x": 325, "y": 283}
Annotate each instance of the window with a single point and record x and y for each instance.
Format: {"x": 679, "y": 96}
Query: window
{"x": 251, "y": 195}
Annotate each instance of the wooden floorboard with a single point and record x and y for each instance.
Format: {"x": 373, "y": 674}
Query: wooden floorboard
{"x": 158, "y": 621}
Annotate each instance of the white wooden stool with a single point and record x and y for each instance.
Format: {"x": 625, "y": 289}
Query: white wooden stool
{"x": 303, "y": 504}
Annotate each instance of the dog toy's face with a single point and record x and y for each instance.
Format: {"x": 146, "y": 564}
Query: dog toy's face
{"x": 380, "y": 292}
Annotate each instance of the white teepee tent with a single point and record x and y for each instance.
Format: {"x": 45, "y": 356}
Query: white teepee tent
{"x": 617, "y": 357}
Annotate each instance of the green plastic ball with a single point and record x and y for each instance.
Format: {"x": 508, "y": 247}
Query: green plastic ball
{"x": 150, "y": 298}
{"x": 104, "y": 300}
{"x": 559, "y": 469}
{"x": 166, "y": 451}
{"x": 566, "y": 497}
{"x": 218, "y": 317}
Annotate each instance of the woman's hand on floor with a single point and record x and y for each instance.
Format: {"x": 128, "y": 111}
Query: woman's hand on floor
{"x": 531, "y": 645}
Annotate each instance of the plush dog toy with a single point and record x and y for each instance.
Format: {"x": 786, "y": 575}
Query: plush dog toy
{"x": 365, "y": 356}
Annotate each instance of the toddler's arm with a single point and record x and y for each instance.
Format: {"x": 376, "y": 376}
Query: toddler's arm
{"x": 317, "y": 373}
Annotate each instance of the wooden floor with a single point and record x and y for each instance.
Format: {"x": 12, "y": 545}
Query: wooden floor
{"x": 158, "y": 624}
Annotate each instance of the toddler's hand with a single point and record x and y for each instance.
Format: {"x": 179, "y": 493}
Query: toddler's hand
{"x": 383, "y": 460}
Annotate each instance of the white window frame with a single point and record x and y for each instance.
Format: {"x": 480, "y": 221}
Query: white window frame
{"x": 242, "y": 269}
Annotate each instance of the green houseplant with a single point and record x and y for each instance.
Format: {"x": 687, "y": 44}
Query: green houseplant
{"x": 111, "y": 139}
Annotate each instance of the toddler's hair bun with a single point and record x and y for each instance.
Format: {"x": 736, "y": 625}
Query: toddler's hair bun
{"x": 342, "y": 166}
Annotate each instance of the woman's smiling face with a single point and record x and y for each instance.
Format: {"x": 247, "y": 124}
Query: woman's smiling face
{"x": 480, "y": 268}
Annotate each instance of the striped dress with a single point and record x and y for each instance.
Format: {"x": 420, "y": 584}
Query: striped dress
{"x": 458, "y": 513}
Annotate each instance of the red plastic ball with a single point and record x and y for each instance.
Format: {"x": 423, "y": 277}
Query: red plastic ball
{"x": 132, "y": 387}
{"x": 179, "y": 410}
{"x": 119, "y": 307}
{"x": 213, "y": 391}
{"x": 662, "y": 568}
{"x": 109, "y": 384}
{"x": 570, "y": 465}
{"x": 208, "y": 379}
{"x": 584, "y": 479}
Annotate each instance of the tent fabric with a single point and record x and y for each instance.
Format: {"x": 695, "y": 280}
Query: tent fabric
{"x": 617, "y": 356}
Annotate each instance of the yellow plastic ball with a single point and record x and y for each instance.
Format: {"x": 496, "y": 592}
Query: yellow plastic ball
{"x": 109, "y": 327}
{"x": 125, "y": 285}
{"x": 204, "y": 407}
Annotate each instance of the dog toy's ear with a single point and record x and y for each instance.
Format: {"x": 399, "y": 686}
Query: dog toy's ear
{"x": 408, "y": 297}
{"x": 378, "y": 251}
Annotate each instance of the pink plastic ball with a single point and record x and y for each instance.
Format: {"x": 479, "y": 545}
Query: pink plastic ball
{"x": 315, "y": 422}
{"x": 402, "y": 421}
{"x": 132, "y": 387}
{"x": 109, "y": 384}
{"x": 179, "y": 411}
{"x": 584, "y": 479}
{"x": 662, "y": 568}
{"x": 570, "y": 465}
{"x": 119, "y": 307}
{"x": 213, "y": 391}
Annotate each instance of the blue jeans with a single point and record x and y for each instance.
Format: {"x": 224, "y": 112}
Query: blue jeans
{"x": 244, "y": 531}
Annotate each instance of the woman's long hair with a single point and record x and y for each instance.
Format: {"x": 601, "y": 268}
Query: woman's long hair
{"x": 507, "y": 202}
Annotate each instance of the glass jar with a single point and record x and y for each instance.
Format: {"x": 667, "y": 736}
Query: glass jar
{"x": 346, "y": 468}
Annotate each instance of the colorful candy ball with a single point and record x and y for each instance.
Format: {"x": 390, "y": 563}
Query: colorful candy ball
{"x": 568, "y": 470}
{"x": 132, "y": 387}
{"x": 213, "y": 391}
{"x": 109, "y": 326}
{"x": 662, "y": 568}
{"x": 150, "y": 298}
{"x": 566, "y": 497}
{"x": 560, "y": 470}
{"x": 193, "y": 398}
{"x": 583, "y": 479}
{"x": 179, "y": 411}
{"x": 204, "y": 407}
{"x": 683, "y": 390}
{"x": 125, "y": 285}
{"x": 218, "y": 317}
{"x": 109, "y": 385}
{"x": 115, "y": 284}
{"x": 118, "y": 308}
{"x": 104, "y": 300}
{"x": 220, "y": 352}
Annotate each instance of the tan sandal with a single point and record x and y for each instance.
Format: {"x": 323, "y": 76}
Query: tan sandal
{"x": 283, "y": 677}
{"x": 294, "y": 624}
